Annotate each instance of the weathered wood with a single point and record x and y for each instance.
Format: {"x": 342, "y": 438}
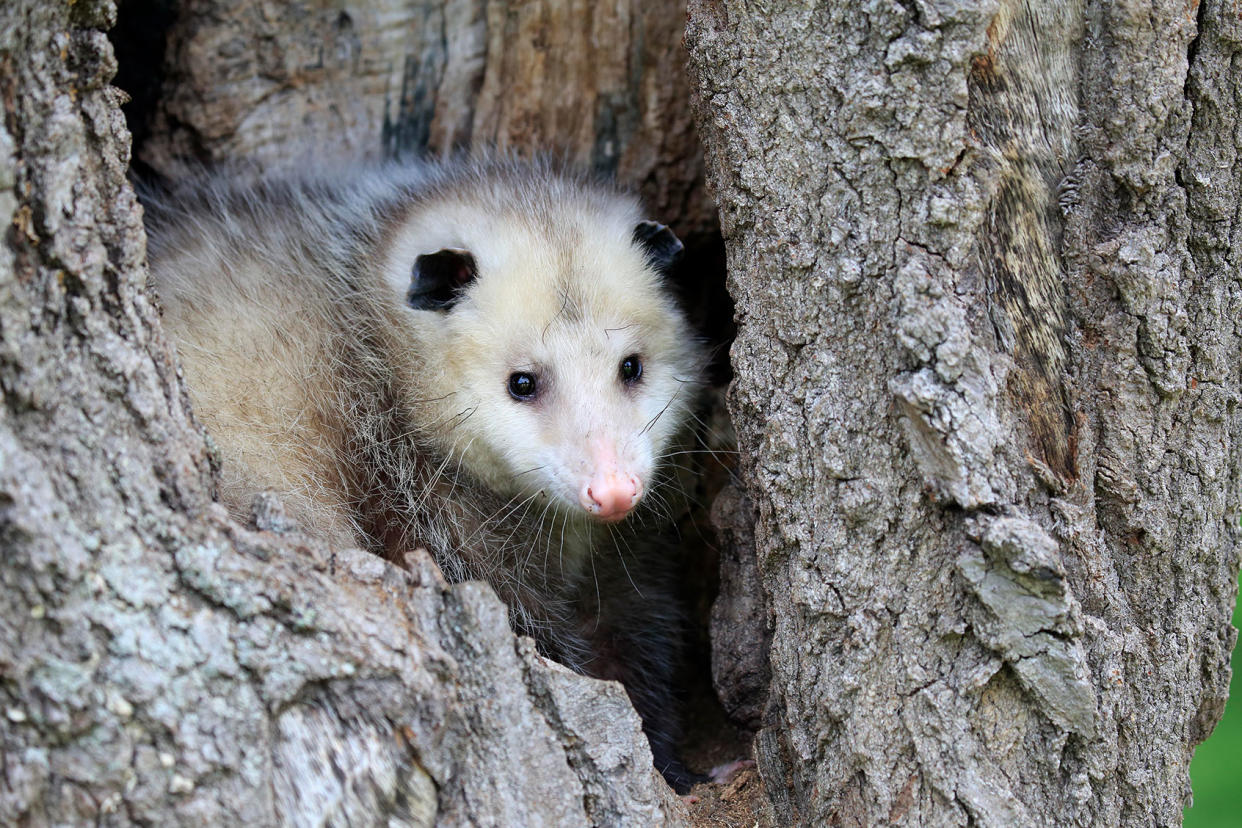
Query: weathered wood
{"x": 987, "y": 396}
{"x": 280, "y": 83}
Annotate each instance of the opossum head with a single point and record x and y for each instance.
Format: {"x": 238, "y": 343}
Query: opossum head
{"x": 555, "y": 363}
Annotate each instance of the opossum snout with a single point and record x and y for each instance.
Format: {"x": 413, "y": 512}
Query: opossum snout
{"x": 611, "y": 494}
{"x": 611, "y": 489}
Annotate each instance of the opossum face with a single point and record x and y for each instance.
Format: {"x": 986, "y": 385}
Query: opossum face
{"x": 565, "y": 368}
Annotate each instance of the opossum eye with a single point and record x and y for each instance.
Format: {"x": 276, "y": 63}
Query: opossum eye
{"x": 631, "y": 369}
{"x": 522, "y": 386}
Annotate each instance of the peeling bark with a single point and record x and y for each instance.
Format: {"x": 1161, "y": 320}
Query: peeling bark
{"x": 986, "y": 396}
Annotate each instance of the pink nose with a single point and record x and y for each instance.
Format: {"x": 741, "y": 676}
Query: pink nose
{"x": 611, "y": 495}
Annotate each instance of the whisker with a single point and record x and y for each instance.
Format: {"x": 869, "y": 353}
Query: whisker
{"x": 705, "y": 426}
{"x": 710, "y": 452}
{"x": 599, "y": 601}
{"x": 626, "y": 569}
{"x": 653, "y": 420}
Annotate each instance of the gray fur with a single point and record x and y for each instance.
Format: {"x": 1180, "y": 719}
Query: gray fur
{"x": 304, "y": 365}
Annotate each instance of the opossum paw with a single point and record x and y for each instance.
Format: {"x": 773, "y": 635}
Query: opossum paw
{"x": 723, "y": 774}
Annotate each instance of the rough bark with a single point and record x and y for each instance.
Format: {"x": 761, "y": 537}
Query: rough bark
{"x": 601, "y": 82}
{"x": 985, "y": 265}
{"x": 162, "y": 665}
{"x": 739, "y": 620}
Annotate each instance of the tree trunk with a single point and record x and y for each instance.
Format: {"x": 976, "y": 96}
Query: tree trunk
{"x": 160, "y": 664}
{"x": 986, "y": 398}
{"x": 985, "y": 268}
{"x": 601, "y": 82}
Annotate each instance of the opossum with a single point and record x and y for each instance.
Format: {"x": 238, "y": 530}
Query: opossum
{"x": 483, "y": 360}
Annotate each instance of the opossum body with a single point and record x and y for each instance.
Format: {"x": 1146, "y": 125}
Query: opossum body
{"x": 480, "y": 360}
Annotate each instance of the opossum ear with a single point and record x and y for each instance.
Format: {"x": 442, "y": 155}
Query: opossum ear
{"x": 439, "y": 279}
{"x": 663, "y": 248}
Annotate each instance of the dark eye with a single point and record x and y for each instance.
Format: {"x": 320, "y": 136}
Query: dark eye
{"x": 631, "y": 369}
{"x": 522, "y": 386}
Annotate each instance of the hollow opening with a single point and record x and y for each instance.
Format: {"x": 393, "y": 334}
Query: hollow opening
{"x": 139, "y": 39}
{"x": 712, "y": 734}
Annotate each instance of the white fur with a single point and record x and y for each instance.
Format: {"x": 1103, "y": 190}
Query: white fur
{"x": 565, "y": 293}
{"x": 254, "y": 279}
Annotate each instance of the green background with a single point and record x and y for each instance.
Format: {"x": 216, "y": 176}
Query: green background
{"x": 1216, "y": 772}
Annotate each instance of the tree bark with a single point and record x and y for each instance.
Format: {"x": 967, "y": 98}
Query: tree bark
{"x": 160, "y": 664}
{"x": 987, "y": 401}
{"x": 602, "y": 83}
{"x": 985, "y": 268}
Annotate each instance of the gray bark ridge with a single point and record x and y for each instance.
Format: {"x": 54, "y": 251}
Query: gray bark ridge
{"x": 160, "y": 664}
{"x": 986, "y": 396}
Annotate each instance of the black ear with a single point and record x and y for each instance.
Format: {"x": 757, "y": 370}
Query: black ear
{"x": 663, "y": 248}
{"x": 440, "y": 278}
